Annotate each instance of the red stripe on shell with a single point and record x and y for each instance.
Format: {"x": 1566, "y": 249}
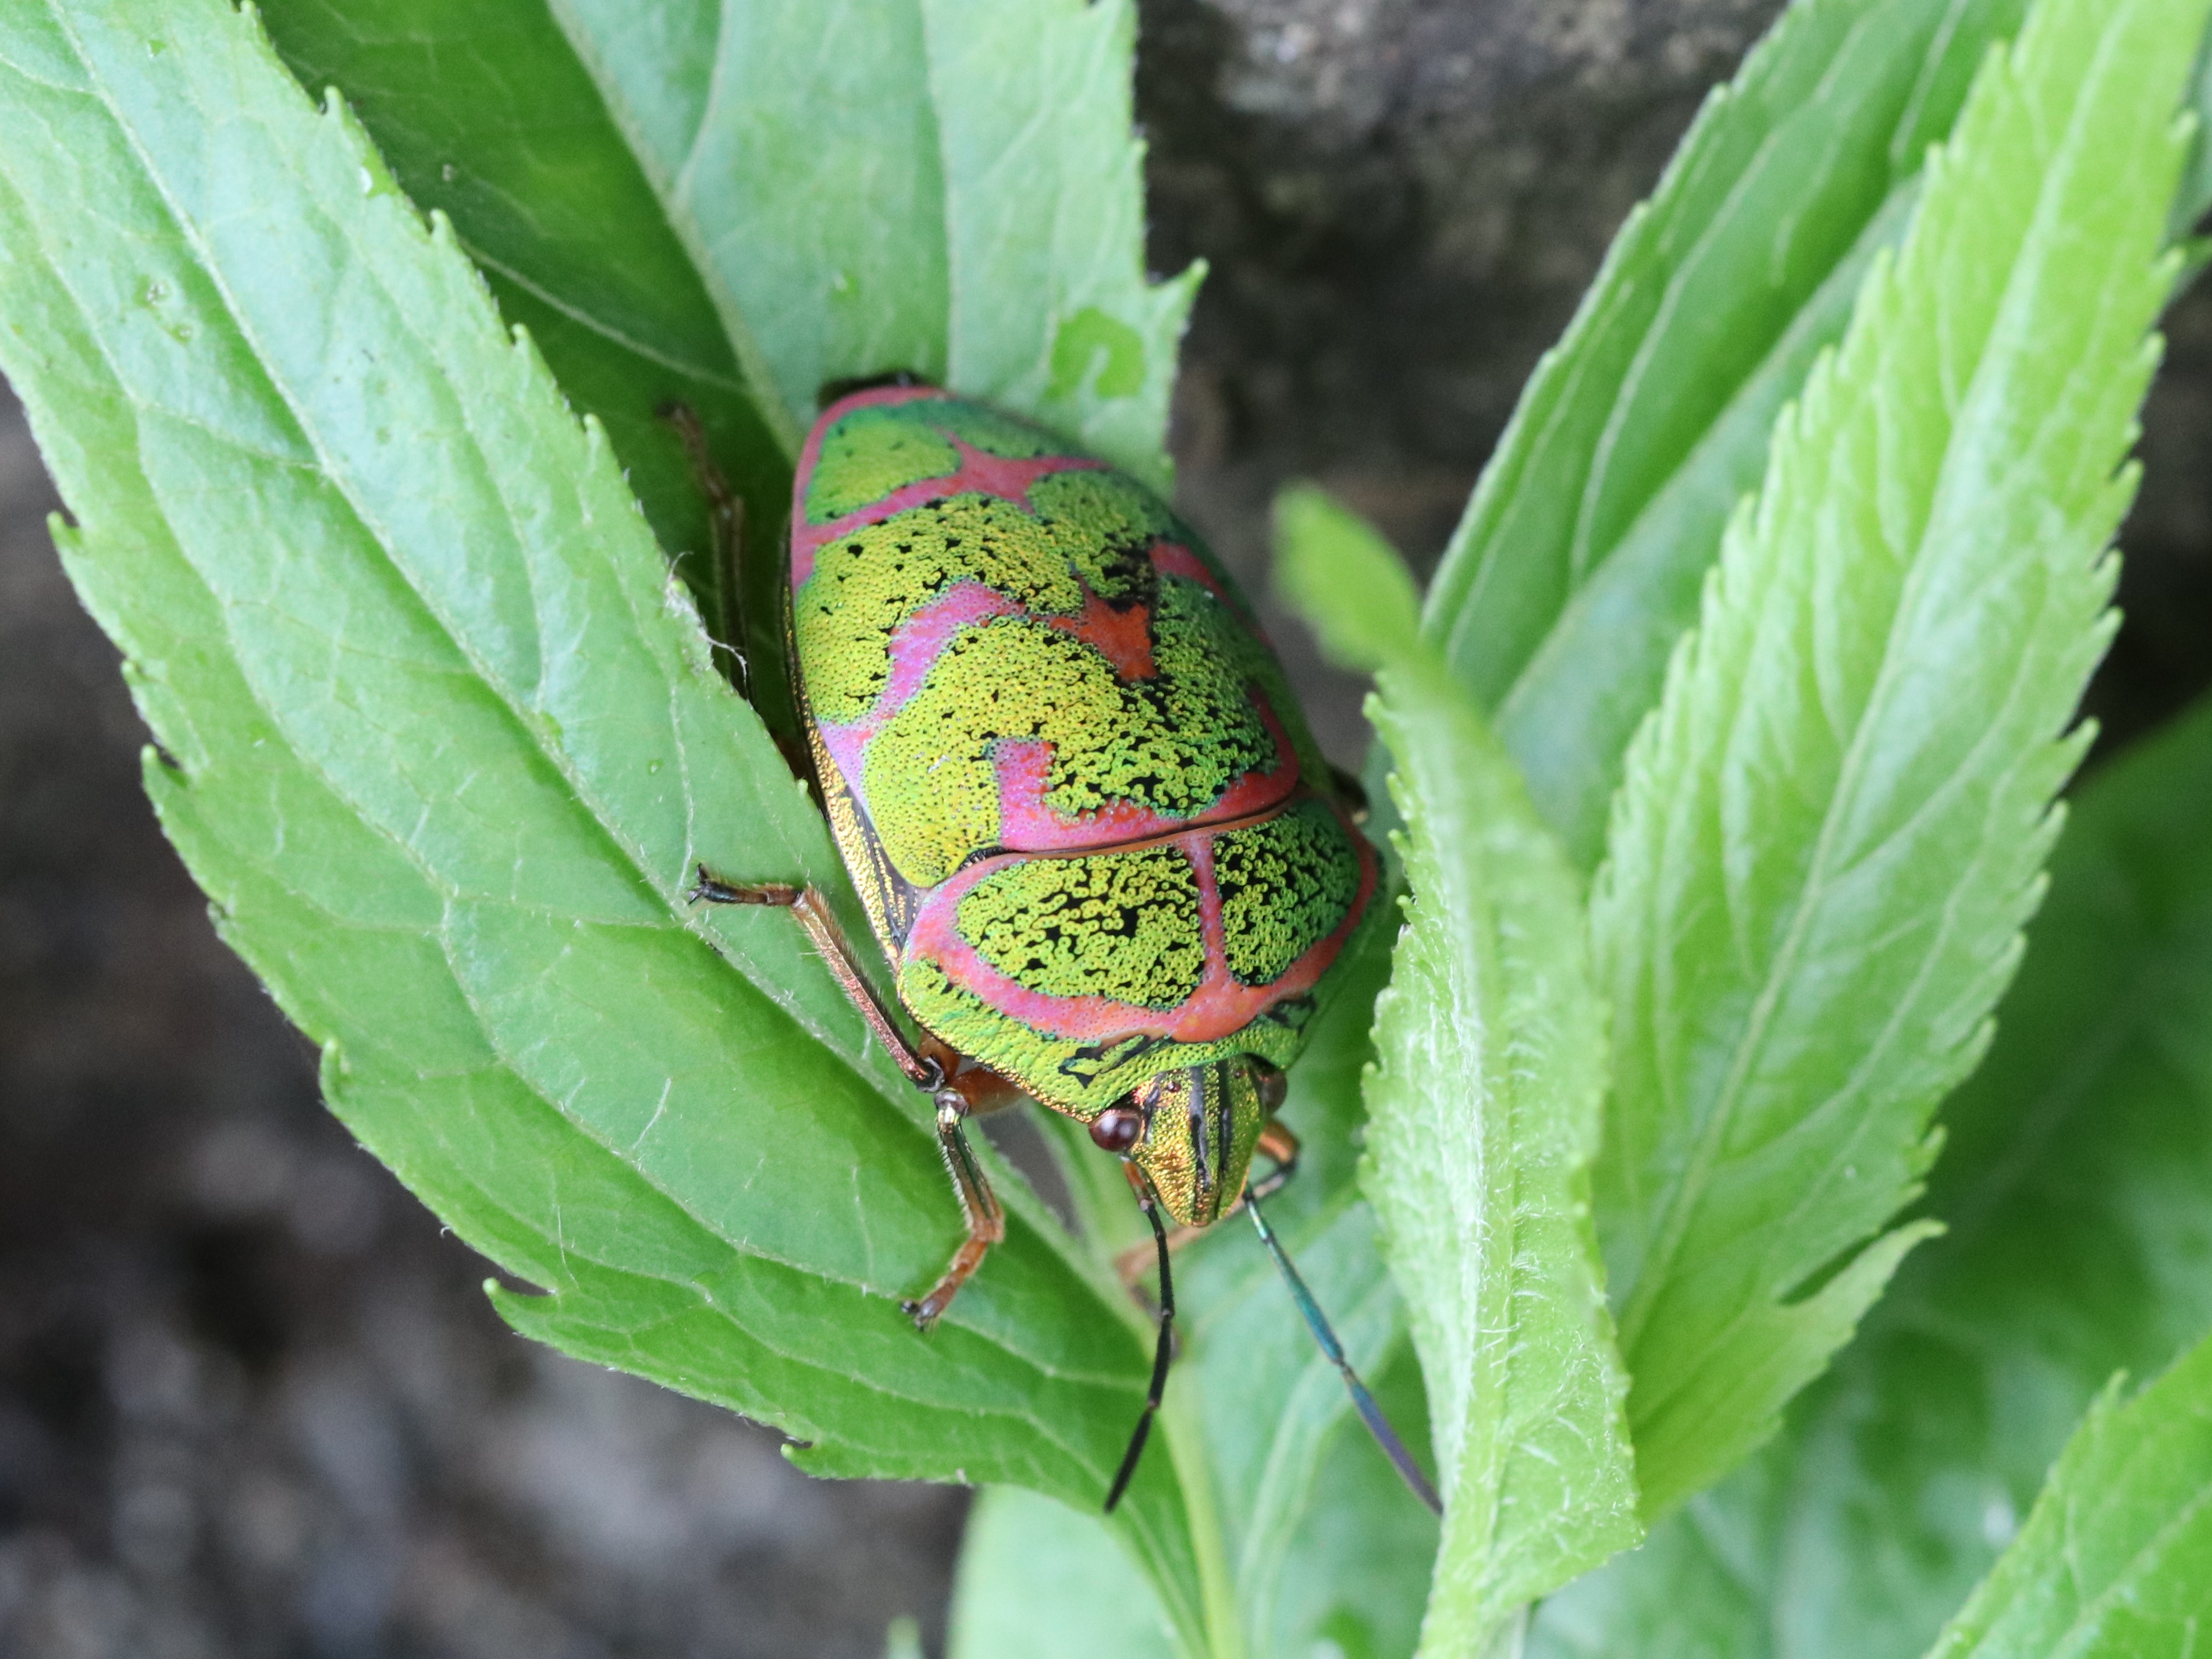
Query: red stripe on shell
{"x": 1220, "y": 1007}
{"x": 1028, "y": 824}
{"x": 977, "y": 474}
{"x": 1120, "y": 633}
{"x": 1024, "y": 765}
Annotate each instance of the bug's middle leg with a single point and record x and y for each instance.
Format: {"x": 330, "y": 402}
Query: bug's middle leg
{"x": 979, "y": 1205}
{"x": 986, "y": 1221}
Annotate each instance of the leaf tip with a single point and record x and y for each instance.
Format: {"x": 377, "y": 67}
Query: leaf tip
{"x": 1345, "y": 580}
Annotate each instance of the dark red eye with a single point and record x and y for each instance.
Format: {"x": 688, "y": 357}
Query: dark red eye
{"x": 1118, "y": 1128}
{"x": 1273, "y": 1086}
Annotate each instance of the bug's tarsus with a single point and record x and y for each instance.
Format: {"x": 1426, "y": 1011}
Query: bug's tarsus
{"x": 1369, "y": 1412}
{"x": 1162, "y": 1352}
{"x": 712, "y": 889}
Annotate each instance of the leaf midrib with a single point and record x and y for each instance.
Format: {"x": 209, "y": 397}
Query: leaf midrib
{"x": 590, "y": 320}
{"x": 1477, "y": 956}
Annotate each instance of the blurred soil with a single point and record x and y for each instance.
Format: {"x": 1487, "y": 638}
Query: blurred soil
{"x": 252, "y": 1401}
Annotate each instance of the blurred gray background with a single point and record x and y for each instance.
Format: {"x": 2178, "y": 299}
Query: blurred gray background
{"x": 251, "y": 1401}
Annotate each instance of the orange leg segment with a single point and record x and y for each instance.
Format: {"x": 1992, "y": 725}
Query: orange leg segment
{"x": 979, "y": 1205}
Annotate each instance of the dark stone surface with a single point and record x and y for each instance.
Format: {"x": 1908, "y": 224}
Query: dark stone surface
{"x": 252, "y": 1402}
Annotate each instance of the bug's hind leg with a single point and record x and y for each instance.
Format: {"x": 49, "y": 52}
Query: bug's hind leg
{"x": 812, "y": 909}
{"x": 979, "y": 1205}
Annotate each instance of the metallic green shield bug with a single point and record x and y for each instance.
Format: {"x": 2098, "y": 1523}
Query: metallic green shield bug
{"x": 1108, "y": 867}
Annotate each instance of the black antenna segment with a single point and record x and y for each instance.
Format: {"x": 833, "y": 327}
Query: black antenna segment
{"x": 1162, "y": 1353}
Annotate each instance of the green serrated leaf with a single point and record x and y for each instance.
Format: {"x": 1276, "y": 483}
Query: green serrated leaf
{"x": 871, "y": 184}
{"x": 2116, "y": 1559}
{"x": 1044, "y": 205}
{"x": 2079, "y": 1155}
{"x": 1484, "y": 1107}
{"x": 484, "y": 114}
{"x": 1831, "y": 833}
{"x": 1578, "y": 563}
{"x": 447, "y": 743}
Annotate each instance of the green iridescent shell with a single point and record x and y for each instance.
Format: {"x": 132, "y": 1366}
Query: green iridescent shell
{"x": 1091, "y": 830}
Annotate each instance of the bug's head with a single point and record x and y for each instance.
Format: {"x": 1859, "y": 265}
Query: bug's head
{"x": 1192, "y": 1132}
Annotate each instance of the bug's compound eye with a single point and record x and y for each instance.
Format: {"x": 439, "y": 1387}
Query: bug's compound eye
{"x": 1118, "y": 1128}
{"x": 1272, "y": 1085}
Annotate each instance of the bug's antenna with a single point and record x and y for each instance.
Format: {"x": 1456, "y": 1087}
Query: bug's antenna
{"x": 1369, "y": 1412}
{"x": 1160, "y": 1354}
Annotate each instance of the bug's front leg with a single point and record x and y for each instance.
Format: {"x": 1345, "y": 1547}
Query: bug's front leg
{"x": 979, "y": 1205}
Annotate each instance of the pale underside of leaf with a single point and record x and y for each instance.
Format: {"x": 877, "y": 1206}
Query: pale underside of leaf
{"x": 1832, "y": 829}
{"x": 1484, "y": 1105}
{"x": 2073, "y": 1179}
